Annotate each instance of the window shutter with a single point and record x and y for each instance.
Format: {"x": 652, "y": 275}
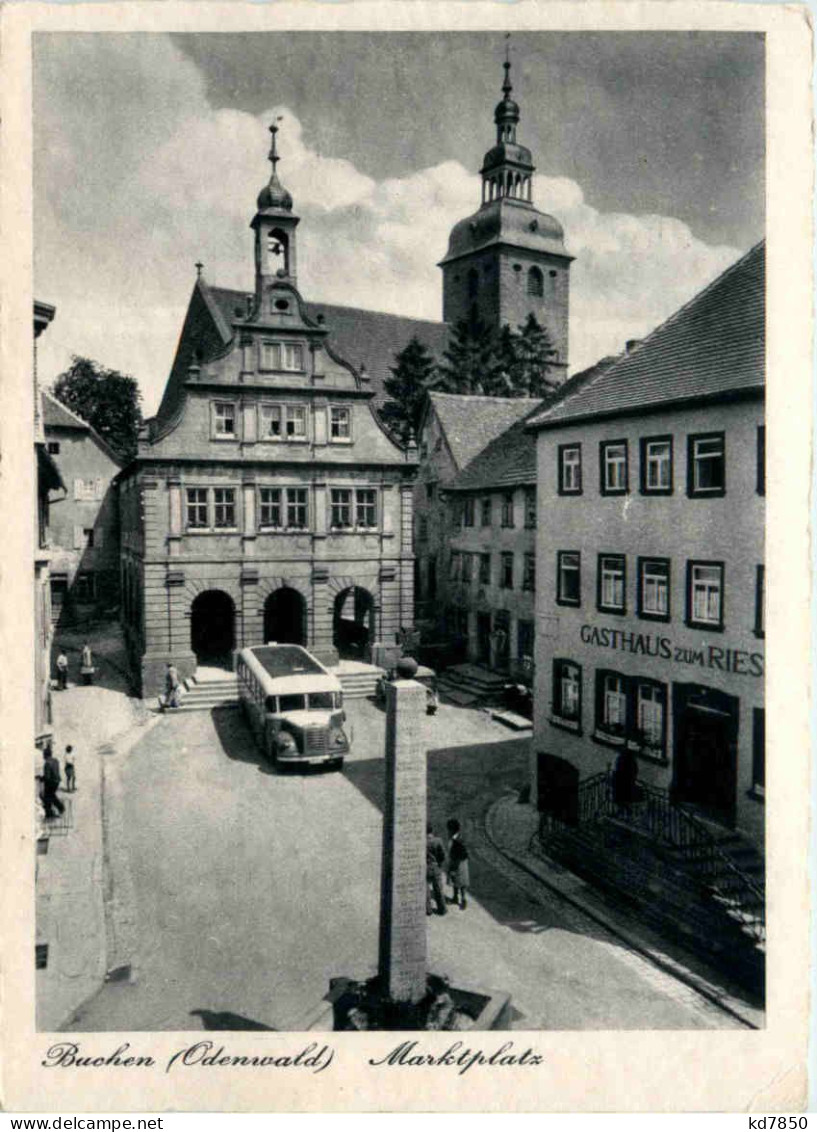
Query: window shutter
{"x": 79, "y": 538}
{"x": 79, "y": 486}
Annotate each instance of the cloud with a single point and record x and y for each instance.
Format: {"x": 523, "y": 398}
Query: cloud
{"x": 137, "y": 177}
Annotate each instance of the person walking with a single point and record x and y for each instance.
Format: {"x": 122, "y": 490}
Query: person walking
{"x": 87, "y": 664}
{"x": 172, "y": 696}
{"x": 51, "y": 784}
{"x": 70, "y": 770}
{"x": 459, "y": 876}
{"x": 435, "y": 859}
{"x": 62, "y": 671}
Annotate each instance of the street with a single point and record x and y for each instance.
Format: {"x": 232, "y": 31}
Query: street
{"x": 253, "y": 889}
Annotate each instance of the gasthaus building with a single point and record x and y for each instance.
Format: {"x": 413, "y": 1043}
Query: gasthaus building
{"x": 266, "y": 502}
{"x": 650, "y": 576}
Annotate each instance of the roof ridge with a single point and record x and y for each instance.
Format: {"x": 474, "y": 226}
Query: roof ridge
{"x": 47, "y": 393}
{"x": 482, "y": 397}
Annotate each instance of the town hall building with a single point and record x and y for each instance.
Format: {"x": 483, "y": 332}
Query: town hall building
{"x": 267, "y": 501}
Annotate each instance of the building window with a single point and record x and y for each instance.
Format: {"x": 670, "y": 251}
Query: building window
{"x": 454, "y": 566}
{"x": 758, "y": 752}
{"x": 525, "y": 641}
{"x": 466, "y": 569}
{"x": 366, "y": 508}
{"x": 224, "y": 507}
{"x": 656, "y": 465}
{"x": 340, "y": 425}
{"x": 613, "y": 467}
{"x": 536, "y": 283}
{"x": 297, "y": 509}
{"x": 570, "y": 469}
{"x": 705, "y": 595}
{"x": 611, "y": 583}
{"x": 224, "y": 419}
{"x": 611, "y": 704}
{"x": 651, "y": 717}
{"x": 296, "y": 422}
{"x": 760, "y": 601}
{"x": 485, "y": 511}
{"x": 653, "y": 589}
{"x": 88, "y": 491}
{"x": 54, "y": 447}
{"x": 568, "y": 577}
{"x": 485, "y": 569}
{"x": 506, "y": 570}
{"x": 196, "y": 508}
{"x": 270, "y": 498}
{"x": 761, "y": 459}
{"x": 507, "y": 509}
{"x": 529, "y": 571}
{"x": 272, "y": 422}
{"x": 341, "y": 508}
{"x": 706, "y": 458}
{"x": 88, "y": 538}
{"x": 468, "y": 511}
{"x": 284, "y": 356}
{"x": 85, "y": 588}
{"x": 567, "y": 693}
{"x": 530, "y": 508}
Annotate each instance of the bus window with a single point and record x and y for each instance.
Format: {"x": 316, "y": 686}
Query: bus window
{"x": 321, "y": 701}
{"x": 338, "y": 699}
{"x": 272, "y": 705}
{"x": 292, "y": 703}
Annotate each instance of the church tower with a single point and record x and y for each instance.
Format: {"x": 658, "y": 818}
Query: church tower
{"x": 509, "y": 260}
{"x": 275, "y": 245}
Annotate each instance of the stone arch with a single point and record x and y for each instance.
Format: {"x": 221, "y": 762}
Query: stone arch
{"x": 285, "y": 617}
{"x": 353, "y": 620}
{"x": 213, "y": 627}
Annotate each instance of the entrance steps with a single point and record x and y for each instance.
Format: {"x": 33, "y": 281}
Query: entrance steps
{"x": 667, "y": 892}
{"x": 206, "y": 691}
{"x": 465, "y": 684}
{"x": 358, "y": 680}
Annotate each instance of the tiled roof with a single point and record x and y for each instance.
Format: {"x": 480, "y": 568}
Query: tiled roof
{"x": 57, "y": 415}
{"x": 510, "y": 458}
{"x": 712, "y": 347}
{"x": 360, "y": 337}
{"x": 471, "y": 422}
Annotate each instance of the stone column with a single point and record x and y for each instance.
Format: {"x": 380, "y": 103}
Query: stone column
{"x": 402, "y": 965}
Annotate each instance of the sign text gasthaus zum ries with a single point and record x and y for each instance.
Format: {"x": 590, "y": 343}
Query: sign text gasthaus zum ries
{"x": 738, "y": 661}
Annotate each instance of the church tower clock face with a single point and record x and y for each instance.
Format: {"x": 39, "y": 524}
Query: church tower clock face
{"x": 508, "y": 260}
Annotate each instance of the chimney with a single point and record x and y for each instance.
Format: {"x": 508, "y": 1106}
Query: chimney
{"x": 631, "y": 345}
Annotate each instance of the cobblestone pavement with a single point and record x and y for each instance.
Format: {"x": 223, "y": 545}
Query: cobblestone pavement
{"x": 253, "y": 889}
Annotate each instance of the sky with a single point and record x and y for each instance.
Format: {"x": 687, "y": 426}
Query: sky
{"x": 150, "y": 150}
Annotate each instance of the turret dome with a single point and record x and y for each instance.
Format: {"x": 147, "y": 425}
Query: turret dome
{"x": 274, "y": 196}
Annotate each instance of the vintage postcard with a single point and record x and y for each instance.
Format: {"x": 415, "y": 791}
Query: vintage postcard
{"x": 412, "y": 447}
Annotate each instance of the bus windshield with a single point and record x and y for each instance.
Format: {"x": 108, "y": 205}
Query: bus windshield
{"x": 291, "y": 703}
{"x": 323, "y": 701}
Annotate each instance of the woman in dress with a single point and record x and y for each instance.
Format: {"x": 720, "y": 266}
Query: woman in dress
{"x": 458, "y": 873}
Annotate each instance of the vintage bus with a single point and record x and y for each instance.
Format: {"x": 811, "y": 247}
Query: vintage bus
{"x": 293, "y": 704}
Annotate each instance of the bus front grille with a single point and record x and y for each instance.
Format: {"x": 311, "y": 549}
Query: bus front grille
{"x": 316, "y": 741}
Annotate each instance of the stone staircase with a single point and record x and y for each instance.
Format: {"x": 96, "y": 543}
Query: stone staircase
{"x": 705, "y": 890}
{"x": 358, "y": 680}
{"x": 468, "y": 684}
{"x": 204, "y": 695}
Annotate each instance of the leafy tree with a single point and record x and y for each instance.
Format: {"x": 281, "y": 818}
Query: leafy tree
{"x": 107, "y": 399}
{"x": 413, "y": 371}
{"x": 471, "y": 363}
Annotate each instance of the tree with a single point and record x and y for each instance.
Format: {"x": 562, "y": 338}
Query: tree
{"x": 471, "y": 363}
{"x": 528, "y": 359}
{"x": 109, "y": 401}
{"x": 412, "y": 373}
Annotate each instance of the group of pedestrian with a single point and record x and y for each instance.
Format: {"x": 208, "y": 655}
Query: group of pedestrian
{"x": 452, "y": 863}
{"x": 86, "y": 667}
{"x": 52, "y": 777}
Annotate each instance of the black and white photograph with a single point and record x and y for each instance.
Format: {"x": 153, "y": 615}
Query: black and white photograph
{"x": 399, "y": 435}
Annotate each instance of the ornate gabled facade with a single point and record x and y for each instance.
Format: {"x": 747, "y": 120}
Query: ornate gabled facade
{"x": 267, "y": 501}
{"x": 508, "y": 260}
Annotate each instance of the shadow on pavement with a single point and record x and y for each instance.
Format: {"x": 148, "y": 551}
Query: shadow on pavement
{"x": 226, "y": 1020}
{"x": 237, "y": 739}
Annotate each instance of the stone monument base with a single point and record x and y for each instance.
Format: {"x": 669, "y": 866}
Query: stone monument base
{"x": 351, "y": 1005}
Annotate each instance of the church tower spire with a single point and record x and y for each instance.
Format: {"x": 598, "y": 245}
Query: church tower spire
{"x": 274, "y": 224}
{"x": 508, "y": 260}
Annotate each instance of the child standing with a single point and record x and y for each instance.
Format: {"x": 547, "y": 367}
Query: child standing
{"x": 458, "y": 872}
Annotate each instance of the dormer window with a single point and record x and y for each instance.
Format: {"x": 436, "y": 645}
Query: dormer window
{"x": 287, "y": 357}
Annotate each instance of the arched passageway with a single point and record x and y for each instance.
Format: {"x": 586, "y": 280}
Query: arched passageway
{"x": 285, "y": 617}
{"x": 354, "y": 627}
{"x": 212, "y": 628}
